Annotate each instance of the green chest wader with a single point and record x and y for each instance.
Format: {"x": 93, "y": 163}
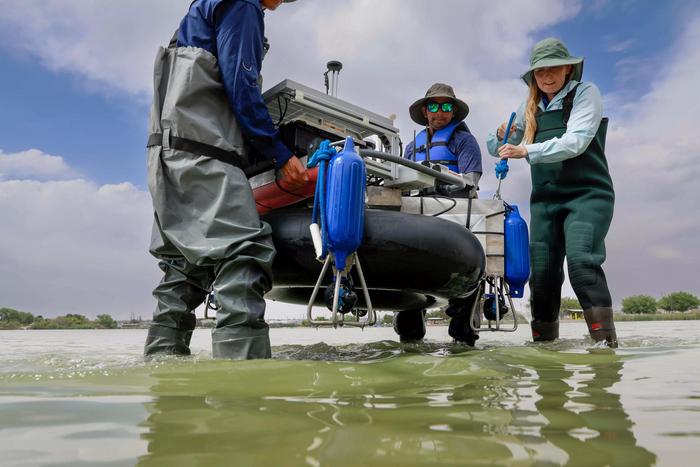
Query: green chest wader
{"x": 571, "y": 208}
{"x": 206, "y": 232}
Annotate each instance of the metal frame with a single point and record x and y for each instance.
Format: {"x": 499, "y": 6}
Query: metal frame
{"x": 338, "y": 319}
{"x": 478, "y": 306}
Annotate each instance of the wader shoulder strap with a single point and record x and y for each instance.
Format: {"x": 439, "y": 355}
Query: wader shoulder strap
{"x": 173, "y": 40}
{"x": 568, "y": 104}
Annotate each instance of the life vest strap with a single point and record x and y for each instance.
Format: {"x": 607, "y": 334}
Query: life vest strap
{"x": 430, "y": 145}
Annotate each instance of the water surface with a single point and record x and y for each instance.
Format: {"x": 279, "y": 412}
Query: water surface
{"x": 351, "y": 397}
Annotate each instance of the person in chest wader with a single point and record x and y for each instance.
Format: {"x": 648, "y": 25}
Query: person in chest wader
{"x": 207, "y": 114}
{"x": 446, "y": 140}
{"x": 562, "y": 132}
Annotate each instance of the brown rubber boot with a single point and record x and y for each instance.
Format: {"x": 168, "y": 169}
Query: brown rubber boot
{"x": 543, "y": 331}
{"x": 600, "y": 324}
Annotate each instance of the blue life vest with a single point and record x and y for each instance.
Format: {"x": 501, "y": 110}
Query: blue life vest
{"x": 439, "y": 151}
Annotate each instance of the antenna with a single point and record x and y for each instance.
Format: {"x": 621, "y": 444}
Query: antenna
{"x": 333, "y": 67}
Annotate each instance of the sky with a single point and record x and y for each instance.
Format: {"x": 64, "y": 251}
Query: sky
{"x": 75, "y": 89}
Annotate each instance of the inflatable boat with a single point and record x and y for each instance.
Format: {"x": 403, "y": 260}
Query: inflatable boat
{"x": 419, "y": 246}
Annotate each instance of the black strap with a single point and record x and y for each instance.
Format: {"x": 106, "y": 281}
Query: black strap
{"x": 229, "y": 157}
{"x": 195, "y": 147}
{"x": 173, "y": 40}
{"x": 430, "y": 145}
{"x": 569, "y": 104}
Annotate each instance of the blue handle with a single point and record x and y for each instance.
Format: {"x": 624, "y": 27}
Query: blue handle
{"x": 502, "y": 166}
{"x": 510, "y": 123}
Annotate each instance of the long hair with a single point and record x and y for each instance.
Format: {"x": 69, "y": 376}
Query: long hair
{"x": 533, "y": 99}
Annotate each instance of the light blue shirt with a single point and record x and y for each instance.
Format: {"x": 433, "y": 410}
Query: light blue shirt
{"x": 581, "y": 129}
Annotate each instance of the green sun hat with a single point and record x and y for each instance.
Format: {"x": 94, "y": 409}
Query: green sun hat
{"x": 552, "y": 52}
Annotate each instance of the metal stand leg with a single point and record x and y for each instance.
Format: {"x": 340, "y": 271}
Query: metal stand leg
{"x": 309, "y": 317}
{"x": 338, "y": 319}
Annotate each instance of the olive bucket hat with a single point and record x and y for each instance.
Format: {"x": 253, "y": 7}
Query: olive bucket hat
{"x": 552, "y": 52}
{"x": 438, "y": 90}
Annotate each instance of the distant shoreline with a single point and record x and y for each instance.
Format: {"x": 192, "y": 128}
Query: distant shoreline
{"x": 678, "y": 316}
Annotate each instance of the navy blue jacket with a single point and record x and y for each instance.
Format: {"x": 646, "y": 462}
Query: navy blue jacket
{"x": 233, "y": 31}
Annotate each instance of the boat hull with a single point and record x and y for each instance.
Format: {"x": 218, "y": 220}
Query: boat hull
{"x": 409, "y": 261}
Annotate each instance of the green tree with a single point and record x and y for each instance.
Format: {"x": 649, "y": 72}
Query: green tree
{"x": 73, "y": 321}
{"x": 639, "y": 304}
{"x": 14, "y": 319}
{"x": 568, "y": 303}
{"x": 11, "y": 315}
{"x": 679, "y": 301}
{"x": 105, "y": 321}
{"x": 388, "y": 319}
{"x": 43, "y": 323}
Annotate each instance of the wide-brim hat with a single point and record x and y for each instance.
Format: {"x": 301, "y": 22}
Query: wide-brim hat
{"x": 552, "y": 52}
{"x": 438, "y": 90}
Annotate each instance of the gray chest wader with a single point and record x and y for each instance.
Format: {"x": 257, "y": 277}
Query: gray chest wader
{"x": 206, "y": 232}
{"x": 571, "y": 207}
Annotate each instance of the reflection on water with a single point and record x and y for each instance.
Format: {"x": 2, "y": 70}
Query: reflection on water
{"x": 381, "y": 404}
{"x": 75, "y": 398}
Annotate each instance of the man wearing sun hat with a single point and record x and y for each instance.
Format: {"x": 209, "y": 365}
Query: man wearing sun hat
{"x": 562, "y": 131}
{"x": 445, "y": 140}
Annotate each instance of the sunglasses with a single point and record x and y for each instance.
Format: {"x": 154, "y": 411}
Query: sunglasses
{"x": 445, "y": 106}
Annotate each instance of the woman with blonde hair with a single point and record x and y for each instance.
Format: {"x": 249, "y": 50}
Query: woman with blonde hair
{"x": 559, "y": 129}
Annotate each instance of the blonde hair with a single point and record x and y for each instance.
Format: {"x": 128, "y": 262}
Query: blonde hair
{"x": 533, "y": 99}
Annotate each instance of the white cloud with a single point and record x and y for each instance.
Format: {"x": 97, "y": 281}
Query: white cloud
{"x": 34, "y": 164}
{"x": 111, "y": 43}
{"x": 73, "y": 246}
{"x": 655, "y": 162}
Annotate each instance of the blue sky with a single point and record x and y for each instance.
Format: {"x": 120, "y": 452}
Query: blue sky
{"x": 100, "y": 131}
{"x": 101, "y": 134}
{"x": 76, "y": 89}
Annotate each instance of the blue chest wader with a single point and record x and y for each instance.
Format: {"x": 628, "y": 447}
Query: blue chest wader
{"x": 571, "y": 207}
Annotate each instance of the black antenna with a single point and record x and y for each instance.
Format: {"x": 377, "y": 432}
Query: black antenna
{"x": 333, "y": 67}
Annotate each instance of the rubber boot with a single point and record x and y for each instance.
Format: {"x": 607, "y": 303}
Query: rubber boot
{"x": 543, "y": 331}
{"x": 410, "y": 325}
{"x": 459, "y": 311}
{"x": 601, "y": 325}
{"x": 169, "y": 341}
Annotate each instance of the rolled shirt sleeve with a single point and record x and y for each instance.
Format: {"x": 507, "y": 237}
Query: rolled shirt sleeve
{"x": 581, "y": 129}
{"x": 239, "y": 43}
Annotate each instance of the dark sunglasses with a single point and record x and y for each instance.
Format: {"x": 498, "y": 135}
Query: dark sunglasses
{"x": 445, "y": 106}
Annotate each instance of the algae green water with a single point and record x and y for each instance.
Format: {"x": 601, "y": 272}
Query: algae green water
{"x": 351, "y": 397}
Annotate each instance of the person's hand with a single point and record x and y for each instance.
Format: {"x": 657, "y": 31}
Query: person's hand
{"x": 501, "y": 132}
{"x": 510, "y": 151}
{"x": 293, "y": 173}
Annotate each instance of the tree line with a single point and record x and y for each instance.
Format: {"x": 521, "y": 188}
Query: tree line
{"x": 15, "y": 319}
{"x": 638, "y": 304}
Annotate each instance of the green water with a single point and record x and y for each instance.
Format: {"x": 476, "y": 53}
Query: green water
{"x": 373, "y": 402}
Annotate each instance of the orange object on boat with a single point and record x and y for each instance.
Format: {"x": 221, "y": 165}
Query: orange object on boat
{"x": 278, "y": 194}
